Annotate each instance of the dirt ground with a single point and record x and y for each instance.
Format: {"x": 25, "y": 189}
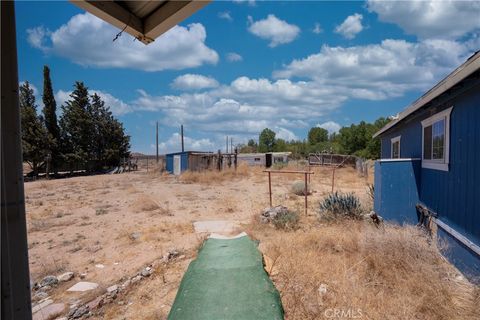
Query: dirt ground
{"x": 108, "y": 227}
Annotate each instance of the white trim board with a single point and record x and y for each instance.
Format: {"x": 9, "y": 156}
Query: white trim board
{"x": 399, "y": 159}
{"x": 457, "y": 235}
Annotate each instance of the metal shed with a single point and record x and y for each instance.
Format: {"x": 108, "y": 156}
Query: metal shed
{"x": 178, "y": 162}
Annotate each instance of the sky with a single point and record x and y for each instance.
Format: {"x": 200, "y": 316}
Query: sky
{"x": 235, "y": 68}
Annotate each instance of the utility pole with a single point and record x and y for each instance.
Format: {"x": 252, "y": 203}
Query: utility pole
{"x": 181, "y": 134}
{"x": 157, "y": 141}
{"x": 231, "y": 145}
{"x": 227, "y": 144}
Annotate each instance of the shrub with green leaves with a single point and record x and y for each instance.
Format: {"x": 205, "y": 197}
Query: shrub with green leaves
{"x": 287, "y": 220}
{"x": 298, "y": 188}
{"x": 342, "y": 205}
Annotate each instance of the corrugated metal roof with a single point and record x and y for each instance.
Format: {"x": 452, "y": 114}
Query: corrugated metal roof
{"x": 145, "y": 20}
{"x": 466, "y": 69}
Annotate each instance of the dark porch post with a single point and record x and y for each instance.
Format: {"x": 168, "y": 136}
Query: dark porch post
{"x": 15, "y": 274}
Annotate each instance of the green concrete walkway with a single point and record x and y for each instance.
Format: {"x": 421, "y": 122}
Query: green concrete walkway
{"x": 227, "y": 281}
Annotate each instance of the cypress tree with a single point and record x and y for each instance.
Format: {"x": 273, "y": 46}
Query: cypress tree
{"x": 50, "y": 118}
{"x": 35, "y": 139}
{"x": 76, "y": 126}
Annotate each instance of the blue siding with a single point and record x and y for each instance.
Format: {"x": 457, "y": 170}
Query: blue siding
{"x": 397, "y": 185}
{"x": 462, "y": 257}
{"x": 184, "y": 161}
{"x": 455, "y": 194}
{"x": 410, "y": 142}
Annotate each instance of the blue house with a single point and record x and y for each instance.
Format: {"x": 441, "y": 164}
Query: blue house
{"x": 430, "y": 166}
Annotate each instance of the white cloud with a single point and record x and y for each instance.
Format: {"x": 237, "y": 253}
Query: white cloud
{"x": 33, "y": 87}
{"x": 194, "y": 82}
{"x": 225, "y": 15}
{"x": 285, "y": 134}
{"x": 330, "y": 126}
{"x": 234, "y": 57}
{"x": 273, "y": 29}
{"x": 448, "y": 19}
{"x": 379, "y": 71}
{"x": 117, "y": 106}
{"x": 317, "y": 29}
{"x": 351, "y": 26}
{"x": 173, "y": 144}
{"x": 87, "y": 40}
{"x": 244, "y": 107}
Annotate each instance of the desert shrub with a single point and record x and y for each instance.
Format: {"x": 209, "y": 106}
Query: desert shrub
{"x": 341, "y": 205}
{"x": 287, "y": 220}
{"x": 100, "y": 211}
{"x": 298, "y": 188}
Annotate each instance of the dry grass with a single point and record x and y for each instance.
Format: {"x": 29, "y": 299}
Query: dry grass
{"x": 144, "y": 203}
{"x": 378, "y": 273}
{"x": 214, "y": 176}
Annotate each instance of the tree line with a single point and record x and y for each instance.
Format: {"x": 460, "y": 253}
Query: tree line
{"x": 86, "y": 135}
{"x": 357, "y": 139}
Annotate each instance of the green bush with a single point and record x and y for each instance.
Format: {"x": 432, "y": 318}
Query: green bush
{"x": 287, "y": 220}
{"x": 298, "y": 188}
{"x": 342, "y": 205}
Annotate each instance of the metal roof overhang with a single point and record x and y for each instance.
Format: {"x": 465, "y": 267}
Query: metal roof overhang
{"x": 145, "y": 20}
{"x": 467, "y": 68}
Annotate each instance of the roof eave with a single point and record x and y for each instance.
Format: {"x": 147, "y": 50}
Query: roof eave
{"x": 466, "y": 69}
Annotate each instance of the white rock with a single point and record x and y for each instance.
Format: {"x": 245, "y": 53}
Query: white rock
{"x": 41, "y": 305}
{"x": 83, "y": 286}
{"x": 49, "y": 311}
{"x": 67, "y": 276}
{"x": 112, "y": 288}
{"x": 322, "y": 289}
{"x": 99, "y": 266}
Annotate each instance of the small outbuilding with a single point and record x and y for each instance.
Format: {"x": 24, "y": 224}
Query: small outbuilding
{"x": 179, "y": 162}
{"x": 263, "y": 159}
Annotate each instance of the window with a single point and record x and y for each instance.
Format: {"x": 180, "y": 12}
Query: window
{"x": 256, "y": 159}
{"x": 395, "y": 148}
{"x": 436, "y": 141}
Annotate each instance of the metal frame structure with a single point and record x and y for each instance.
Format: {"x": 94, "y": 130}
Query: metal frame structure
{"x": 306, "y": 173}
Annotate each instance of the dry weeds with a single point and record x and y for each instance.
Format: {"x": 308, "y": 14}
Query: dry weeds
{"x": 214, "y": 176}
{"x": 378, "y": 273}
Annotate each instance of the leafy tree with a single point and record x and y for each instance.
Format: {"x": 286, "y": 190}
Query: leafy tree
{"x": 266, "y": 140}
{"x": 317, "y": 135}
{"x": 35, "y": 139}
{"x": 50, "y": 118}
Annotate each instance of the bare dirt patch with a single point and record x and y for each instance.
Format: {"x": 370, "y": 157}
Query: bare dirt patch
{"x": 124, "y": 222}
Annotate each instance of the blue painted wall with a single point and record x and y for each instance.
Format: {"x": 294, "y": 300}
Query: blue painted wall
{"x": 454, "y": 194}
{"x": 397, "y": 185}
{"x": 169, "y": 161}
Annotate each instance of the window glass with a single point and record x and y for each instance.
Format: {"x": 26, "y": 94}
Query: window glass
{"x": 396, "y": 149}
{"x": 427, "y": 142}
{"x": 438, "y": 139}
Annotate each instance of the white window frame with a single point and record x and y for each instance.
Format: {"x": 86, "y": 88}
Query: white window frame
{"x": 438, "y": 164}
{"x": 392, "y": 141}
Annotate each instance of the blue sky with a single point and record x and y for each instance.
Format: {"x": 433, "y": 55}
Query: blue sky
{"x": 234, "y": 68}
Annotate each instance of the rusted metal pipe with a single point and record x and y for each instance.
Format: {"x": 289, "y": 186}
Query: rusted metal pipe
{"x": 306, "y": 193}
{"x": 270, "y": 188}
